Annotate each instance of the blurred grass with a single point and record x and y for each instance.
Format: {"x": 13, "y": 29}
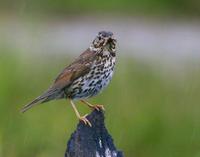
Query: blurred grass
{"x": 141, "y": 7}
{"x": 148, "y": 112}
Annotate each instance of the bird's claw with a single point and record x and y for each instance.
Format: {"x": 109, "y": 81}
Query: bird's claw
{"x": 98, "y": 107}
{"x": 85, "y": 120}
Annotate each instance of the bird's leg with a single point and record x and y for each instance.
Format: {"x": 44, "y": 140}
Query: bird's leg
{"x": 81, "y": 118}
{"x": 96, "y": 107}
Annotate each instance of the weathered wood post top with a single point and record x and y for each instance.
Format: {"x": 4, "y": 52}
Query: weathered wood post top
{"x": 92, "y": 141}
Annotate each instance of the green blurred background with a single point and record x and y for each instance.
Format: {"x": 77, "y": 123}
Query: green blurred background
{"x": 153, "y": 102}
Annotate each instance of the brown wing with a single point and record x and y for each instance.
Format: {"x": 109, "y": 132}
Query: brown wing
{"x": 78, "y": 68}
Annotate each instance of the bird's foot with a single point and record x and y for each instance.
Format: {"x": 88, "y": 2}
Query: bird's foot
{"x": 85, "y": 120}
{"x": 97, "y": 107}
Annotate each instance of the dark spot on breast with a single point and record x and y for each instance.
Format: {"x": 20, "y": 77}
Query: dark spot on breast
{"x": 80, "y": 90}
{"x": 92, "y": 72}
{"x": 89, "y": 90}
{"x": 90, "y": 77}
{"x": 97, "y": 73}
{"x": 97, "y": 77}
{"x": 91, "y": 84}
{"x": 85, "y": 91}
{"x": 98, "y": 82}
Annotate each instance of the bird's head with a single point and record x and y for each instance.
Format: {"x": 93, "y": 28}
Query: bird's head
{"x": 104, "y": 40}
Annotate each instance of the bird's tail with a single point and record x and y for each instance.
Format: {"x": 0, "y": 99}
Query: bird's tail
{"x": 47, "y": 96}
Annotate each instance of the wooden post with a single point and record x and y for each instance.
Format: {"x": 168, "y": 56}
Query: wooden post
{"x": 92, "y": 141}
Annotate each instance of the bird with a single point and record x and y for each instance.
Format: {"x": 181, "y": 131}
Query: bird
{"x": 85, "y": 77}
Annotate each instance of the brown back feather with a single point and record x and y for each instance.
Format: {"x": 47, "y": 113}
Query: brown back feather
{"x": 78, "y": 68}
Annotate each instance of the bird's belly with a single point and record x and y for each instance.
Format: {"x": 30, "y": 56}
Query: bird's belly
{"x": 92, "y": 83}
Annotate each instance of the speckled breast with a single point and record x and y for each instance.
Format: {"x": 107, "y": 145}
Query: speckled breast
{"x": 97, "y": 79}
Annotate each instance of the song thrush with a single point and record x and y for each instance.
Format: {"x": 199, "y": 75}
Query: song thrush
{"x": 85, "y": 77}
